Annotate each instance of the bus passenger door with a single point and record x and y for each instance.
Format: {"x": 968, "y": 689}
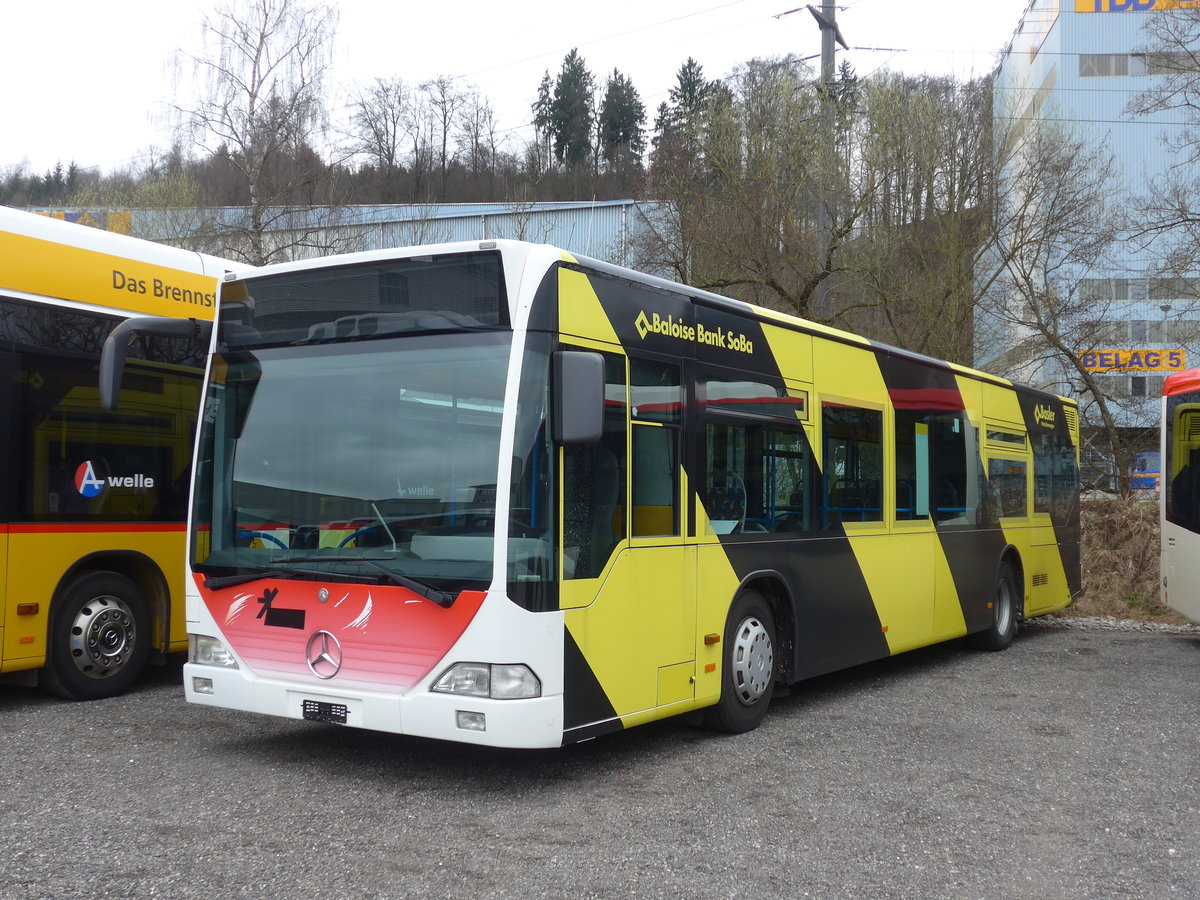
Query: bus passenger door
{"x": 627, "y": 588}
{"x": 662, "y": 569}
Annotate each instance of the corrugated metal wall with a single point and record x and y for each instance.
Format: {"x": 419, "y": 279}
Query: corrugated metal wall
{"x": 605, "y": 229}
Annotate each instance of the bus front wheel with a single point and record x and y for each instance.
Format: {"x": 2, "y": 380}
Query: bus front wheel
{"x": 999, "y": 635}
{"x": 748, "y": 676}
{"x": 99, "y": 638}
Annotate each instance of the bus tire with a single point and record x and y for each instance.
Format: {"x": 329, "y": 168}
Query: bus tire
{"x": 748, "y": 666}
{"x": 999, "y": 635}
{"x": 99, "y": 638}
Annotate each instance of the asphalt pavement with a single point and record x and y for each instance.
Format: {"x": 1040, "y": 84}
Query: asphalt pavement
{"x": 1066, "y": 767}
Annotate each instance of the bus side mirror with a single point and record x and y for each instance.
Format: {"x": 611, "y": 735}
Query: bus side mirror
{"x": 578, "y": 392}
{"x": 112, "y": 357}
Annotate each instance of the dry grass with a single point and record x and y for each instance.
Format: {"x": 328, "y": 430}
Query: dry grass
{"x": 1120, "y": 561}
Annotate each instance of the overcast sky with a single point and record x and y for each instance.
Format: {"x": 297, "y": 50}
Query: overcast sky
{"x": 92, "y": 82}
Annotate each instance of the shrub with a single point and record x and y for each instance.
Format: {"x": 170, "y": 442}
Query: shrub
{"x": 1120, "y": 560}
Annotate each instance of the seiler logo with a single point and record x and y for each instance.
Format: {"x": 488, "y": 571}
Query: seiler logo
{"x": 90, "y": 486}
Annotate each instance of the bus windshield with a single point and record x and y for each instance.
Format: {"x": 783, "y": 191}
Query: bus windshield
{"x": 353, "y": 461}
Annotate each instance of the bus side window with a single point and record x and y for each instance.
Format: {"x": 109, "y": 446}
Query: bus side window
{"x": 955, "y": 494}
{"x": 912, "y": 464}
{"x": 1008, "y": 489}
{"x": 594, "y": 485}
{"x": 757, "y": 478}
{"x": 852, "y": 465}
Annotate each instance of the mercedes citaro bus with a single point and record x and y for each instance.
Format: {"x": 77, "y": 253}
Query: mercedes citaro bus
{"x": 497, "y": 493}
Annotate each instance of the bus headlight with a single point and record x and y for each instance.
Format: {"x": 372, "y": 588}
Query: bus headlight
{"x": 208, "y": 651}
{"x": 499, "y": 682}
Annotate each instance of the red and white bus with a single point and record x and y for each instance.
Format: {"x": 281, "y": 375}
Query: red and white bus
{"x": 497, "y": 493}
{"x": 1179, "y": 504}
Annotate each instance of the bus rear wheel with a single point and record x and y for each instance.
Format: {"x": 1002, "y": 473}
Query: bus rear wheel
{"x": 748, "y": 676}
{"x": 999, "y": 635}
{"x": 99, "y": 638}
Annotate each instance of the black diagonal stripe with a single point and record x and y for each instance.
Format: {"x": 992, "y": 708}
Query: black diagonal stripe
{"x": 584, "y": 700}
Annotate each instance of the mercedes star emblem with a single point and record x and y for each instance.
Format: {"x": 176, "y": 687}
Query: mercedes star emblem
{"x": 324, "y": 654}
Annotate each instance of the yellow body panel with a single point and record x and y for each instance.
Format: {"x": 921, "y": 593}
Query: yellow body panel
{"x": 579, "y": 309}
{"x": 849, "y": 374}
{"x": 642, "y": 620}
{"x": 3, "y": 585}
{"x": 49, "y": 269}
{"x": 998, "y": 403}
{"x": 47, "y": 557}
{"x": 715, "y": 574}
{"x": 899, "y": 573}
{"x": 793, "y": 351}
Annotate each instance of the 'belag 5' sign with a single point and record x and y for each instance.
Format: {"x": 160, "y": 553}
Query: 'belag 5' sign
{"x": 1134, "y": 360}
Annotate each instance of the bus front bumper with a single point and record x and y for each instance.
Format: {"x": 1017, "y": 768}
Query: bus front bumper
{"x": 530, "y": 723}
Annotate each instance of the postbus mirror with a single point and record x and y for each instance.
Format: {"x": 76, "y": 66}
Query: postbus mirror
{"x": 578, "y": 386}
{"x": 116, "y": 345}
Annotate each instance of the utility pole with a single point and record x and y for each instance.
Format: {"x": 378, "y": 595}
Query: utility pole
{"x": 827, "y": 20}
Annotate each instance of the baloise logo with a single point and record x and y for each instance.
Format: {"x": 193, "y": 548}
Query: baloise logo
{"x": 90, "y": 486}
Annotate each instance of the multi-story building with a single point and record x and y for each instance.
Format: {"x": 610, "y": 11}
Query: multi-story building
{"x": 1076, "y": 65}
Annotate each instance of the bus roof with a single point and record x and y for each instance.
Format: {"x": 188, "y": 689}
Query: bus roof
{"x": 46, "y": 257}
{"x": 696, "y": 295}
{"x": 1182, "y": 382}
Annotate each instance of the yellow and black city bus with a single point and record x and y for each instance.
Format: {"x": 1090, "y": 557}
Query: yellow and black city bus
{"x": 92, "y": 503}
{"x": 497, "y": 493}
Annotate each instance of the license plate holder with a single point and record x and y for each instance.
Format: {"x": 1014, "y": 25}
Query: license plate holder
{"x": 329, "y": 713}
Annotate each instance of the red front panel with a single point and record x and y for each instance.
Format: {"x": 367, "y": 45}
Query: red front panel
{"x": 390, "y": 637}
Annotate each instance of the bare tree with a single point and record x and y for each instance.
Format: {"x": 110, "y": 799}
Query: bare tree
{"x": 922, "y": 147}
{"x": 444, "y": 101}
{"x": 478, "y": 136}
{"x": 743, "y": 162}
{"x": 262, "y": 107}
{"x": 381, "y": 121}
{"x": 1056, "y": 224}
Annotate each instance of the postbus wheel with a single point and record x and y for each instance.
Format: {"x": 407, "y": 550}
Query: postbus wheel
{"x": 999, "y": 635}
{"x": 748, "y": 676}
{"x": 99, "y": 638}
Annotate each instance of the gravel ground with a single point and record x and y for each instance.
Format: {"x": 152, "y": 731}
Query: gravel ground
{"x": 1109, "y": 623}
{"x": 1064, "y": 767}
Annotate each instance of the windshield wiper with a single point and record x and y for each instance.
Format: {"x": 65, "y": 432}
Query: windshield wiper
{"x": 216, "y": 582}
{"x": 422, "y": 589}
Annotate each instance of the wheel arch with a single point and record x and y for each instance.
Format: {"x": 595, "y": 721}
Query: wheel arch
{"x": 138, "y": 568}
{"x": 1012, "y": 556}
{"x": 774, "y": 588}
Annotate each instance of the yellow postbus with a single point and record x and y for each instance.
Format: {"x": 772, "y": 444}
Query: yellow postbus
{"x": 497, "y": 493}
{"x": 92, "y": 503}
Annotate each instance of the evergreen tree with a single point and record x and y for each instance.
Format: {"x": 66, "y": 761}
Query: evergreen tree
{"x": 543, "y": 119}
{"x": 622, "y": 117}
{"x": 572, "y": 111}
{"x": 678, "y": 122}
